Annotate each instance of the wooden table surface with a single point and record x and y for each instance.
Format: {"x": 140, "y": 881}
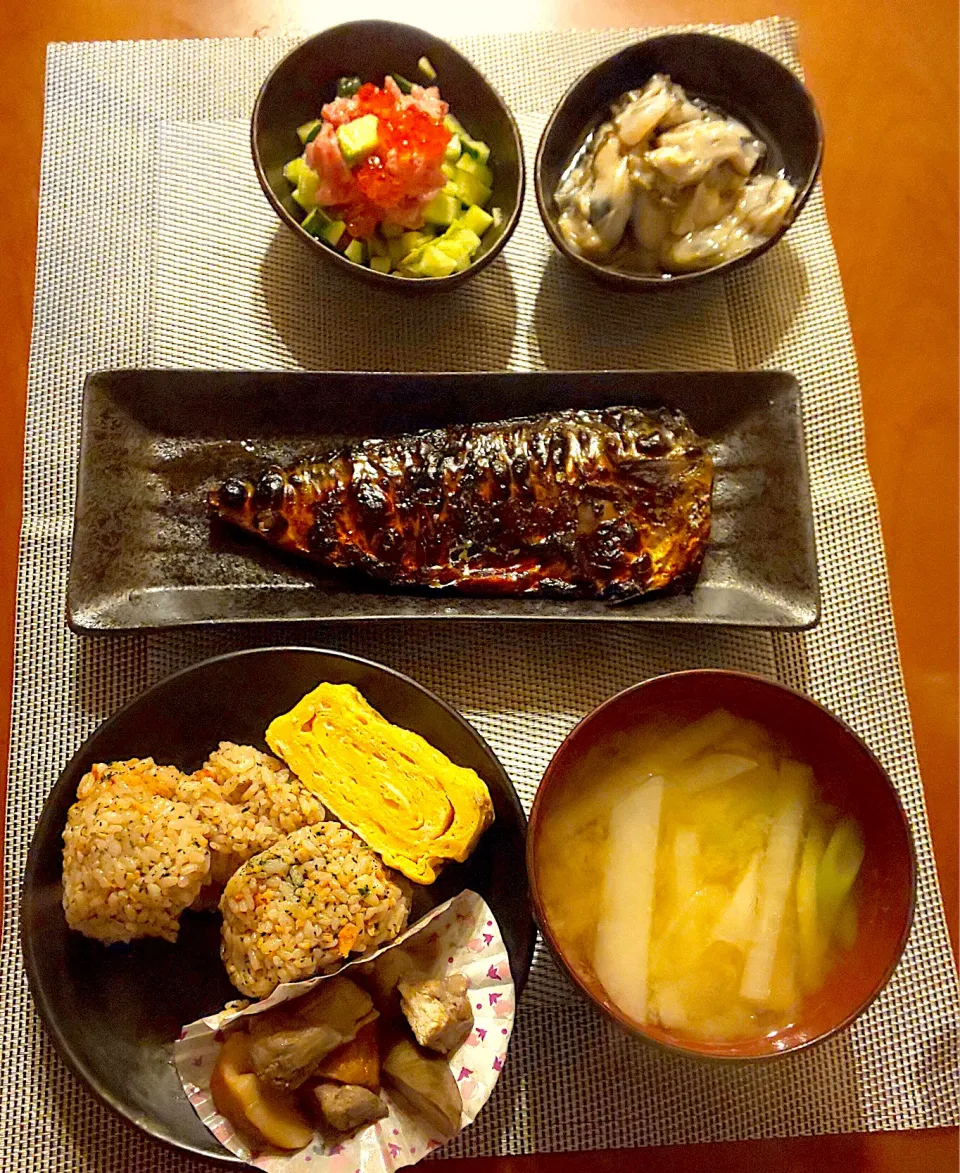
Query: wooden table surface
{"x": 885, "y": 77}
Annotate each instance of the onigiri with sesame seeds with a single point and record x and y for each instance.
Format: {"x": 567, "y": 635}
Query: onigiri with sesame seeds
{"x": 134, "y": 855}
{"x": 304, "y": 905}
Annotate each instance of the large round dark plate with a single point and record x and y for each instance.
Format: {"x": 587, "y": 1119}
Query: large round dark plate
{"x": 114, "y": 1013}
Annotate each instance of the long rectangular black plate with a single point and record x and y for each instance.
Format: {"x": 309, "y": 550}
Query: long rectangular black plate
{"x": 153, "y": 443}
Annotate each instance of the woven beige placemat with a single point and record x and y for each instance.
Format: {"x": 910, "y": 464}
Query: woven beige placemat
{"x": 157, "y": 248}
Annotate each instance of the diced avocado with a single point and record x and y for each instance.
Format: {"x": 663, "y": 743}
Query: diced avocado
{"x": 358, "y": 138}
{"x": 309, "y": 131}
{"x": 380, "y": 264}
{"x": 307, "y": 184}
{"x": 291, "y": 172}
{"x": 412, "y": 240}
{"x": 476, "y": 150}
{"x": 435, "y": 262}
{"x": 356, "y": 251}
{"x": 377, "y": 246}
{"x": 479, "y": 171}
{"x": 425, "y": 65}
{"x": 457, "y": 242}
{"x": 391, "y": 230}
{"x": 452, "y": 153}
{"x": 476, "y": 219}
{"x": 448, "y": 169}
{"x": 442, "y": 209}
{"x": 316, "y": 222}
{"x": 454, "y": 249}
{"x": 454, "y": 126}
{"x": 348, "y": 86}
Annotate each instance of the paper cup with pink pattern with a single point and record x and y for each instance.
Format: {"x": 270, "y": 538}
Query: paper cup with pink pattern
{"x": 464, "y": 938}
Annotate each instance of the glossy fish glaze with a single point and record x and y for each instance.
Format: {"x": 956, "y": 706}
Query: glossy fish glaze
{"x": 607, "y": 504}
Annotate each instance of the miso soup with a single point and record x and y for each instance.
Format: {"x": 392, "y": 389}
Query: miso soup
{"x": 694, "y": 870}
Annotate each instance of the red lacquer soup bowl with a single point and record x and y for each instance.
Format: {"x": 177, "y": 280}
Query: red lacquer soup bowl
{"x": 848, "y": 777}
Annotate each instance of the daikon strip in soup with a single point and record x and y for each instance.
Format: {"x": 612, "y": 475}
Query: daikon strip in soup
{"x": 695, "y": 871}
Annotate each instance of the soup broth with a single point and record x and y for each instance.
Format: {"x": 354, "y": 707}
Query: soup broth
{"x": 695, "y": 872}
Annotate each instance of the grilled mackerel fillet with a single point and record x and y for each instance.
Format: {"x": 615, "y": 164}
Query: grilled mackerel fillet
{"x": 608, "y": 504}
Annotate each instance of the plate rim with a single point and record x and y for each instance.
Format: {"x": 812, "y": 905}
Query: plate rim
{"x": 29, "y": 941}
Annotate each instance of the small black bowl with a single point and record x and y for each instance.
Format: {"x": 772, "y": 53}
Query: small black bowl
{"x": 115, "y": 1012}
{"x": 370, "y": 49}
{"x": 743, "y": 82}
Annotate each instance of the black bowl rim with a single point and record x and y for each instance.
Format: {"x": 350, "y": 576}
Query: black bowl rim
{"x": 389, "y": 280}
{"x": 645, "y": 281}
{"x": 27, "y": 941}
{"x": 622, "y": 1022}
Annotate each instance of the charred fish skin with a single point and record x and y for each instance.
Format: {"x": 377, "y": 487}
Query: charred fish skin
{"x": 608, "y": 504}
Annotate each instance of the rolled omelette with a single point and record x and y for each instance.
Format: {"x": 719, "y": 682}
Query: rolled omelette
{"x": 404, "y": 798}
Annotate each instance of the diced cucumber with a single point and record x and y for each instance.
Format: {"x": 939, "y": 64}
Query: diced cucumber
{"x": 454, "y": 126}
{"x": 358, "y": 138}
{"x": 479, "y": 171}
{"x": 380, "y": 264}
{"x": 377, "y": 246}
{"x": 332, "y": 234}
{"x": 476, "y": 150}
{"x": 348, "y": 86}
{"x": 470, "y": 189}
{"x": 405, "y": 86}
{"x": 442, "y": 209}
{"x": 435, "y": 262}
{"x": 476, "y": 219}
{"x": 306, "y": 193}
{"x": 356, "y": 251}
{"x": 396, "y": 250}
{"x": 316, "y": 221}
{"x": 319, "y": 224}
{"x": 452, "y": 153}
{"x": 291, "y": 172}
{"x": 449, "y": 170}
{"x": 425, "y": 65}
{"x": 391, "y": 230}
{"x": 309, "y": 131}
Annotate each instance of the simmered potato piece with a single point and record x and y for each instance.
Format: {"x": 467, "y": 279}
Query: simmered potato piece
{"x": 257, "y": 1111}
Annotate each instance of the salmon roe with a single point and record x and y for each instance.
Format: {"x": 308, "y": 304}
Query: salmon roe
{"x": 406, "y": 164}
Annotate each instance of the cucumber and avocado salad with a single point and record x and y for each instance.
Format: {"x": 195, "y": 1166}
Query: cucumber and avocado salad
{"x": 454, "y": 221}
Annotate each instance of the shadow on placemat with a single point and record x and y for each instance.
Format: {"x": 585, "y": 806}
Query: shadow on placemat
{"x": 330, "y": 322}
{"x": 578, "y": 323}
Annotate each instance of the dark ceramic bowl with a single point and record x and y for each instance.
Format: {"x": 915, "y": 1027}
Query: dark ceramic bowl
{"x": 370, "y": 49}
{"x": 849, "y": 778}
{"x": 742, "y": 82}
{"x": 114, "y": 1012}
